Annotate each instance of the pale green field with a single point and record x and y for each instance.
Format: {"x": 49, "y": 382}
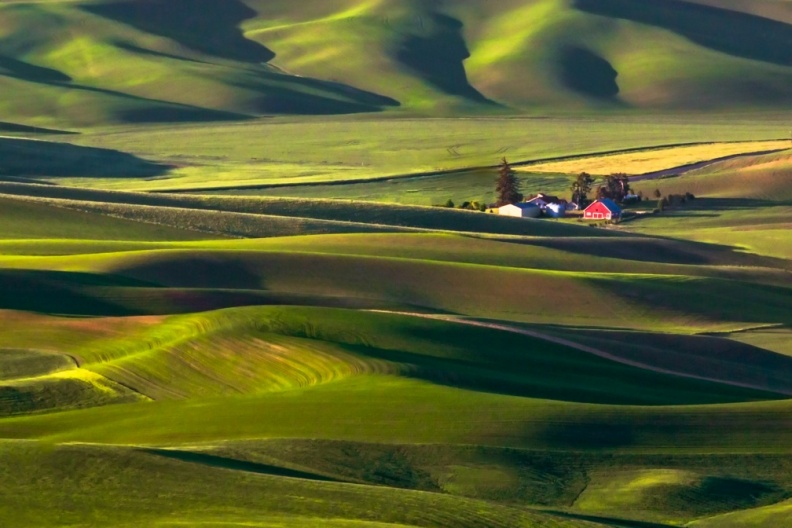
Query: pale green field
{"x": 276, "y": 152}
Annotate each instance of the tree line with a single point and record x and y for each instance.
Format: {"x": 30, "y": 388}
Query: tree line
{"x": 615, "y": 186}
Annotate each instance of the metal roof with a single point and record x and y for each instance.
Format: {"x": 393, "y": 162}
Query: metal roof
{"x": 609, "y": 204}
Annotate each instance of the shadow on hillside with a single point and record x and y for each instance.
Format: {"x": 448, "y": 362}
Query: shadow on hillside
{"x": 286, "y": 94}
{"x": 498, "y": 362}
{"x": 739, "y": 34}
{"x": 736, "y": 360}
{"x": 437, "y": 52}
{"x": 587, "y": 73}
{"x": 60, "y": 292}
{"x": 22, "y": 70}
{"x": 132, "y": 48}
{"x": 705, "y": 299}
{"x": 145, "y": 111}
{"x": 22, "y": 157}
{"x": 660, "y": 250}
{"x": 171, "y": 113}
{"x": 207, "y": 26}
{"x": 215, "y": 461}
{"x": 15, "y": 128}
{"x": 588, "y": 433}
{"x": 212, "y": 27}
{"x": 608, "y": 521}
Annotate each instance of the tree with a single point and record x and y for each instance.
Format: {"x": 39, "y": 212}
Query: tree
{"x": 507, "y": 187}
{"x": 581, "y": 188}
{"x": 657, "y": 193}
{"x": 616, "y": 187}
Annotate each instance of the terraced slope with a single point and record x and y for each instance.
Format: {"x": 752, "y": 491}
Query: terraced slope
{"x": 254, "y": 351}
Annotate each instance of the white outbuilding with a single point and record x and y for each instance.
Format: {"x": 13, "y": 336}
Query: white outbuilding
{"x": 521, "y": 210}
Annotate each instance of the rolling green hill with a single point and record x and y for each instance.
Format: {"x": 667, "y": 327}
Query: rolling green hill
{"x": 129, "y": 61}
{"x": 225, "y": 300}
{"x": 423, "y": 378}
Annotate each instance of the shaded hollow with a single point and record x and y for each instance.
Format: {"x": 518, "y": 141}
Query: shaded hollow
{"x": 207, "y": 26}
{"x": 437, "y": 51}
{"x": 739, "y": 34}
{"x": 587, "y": 73}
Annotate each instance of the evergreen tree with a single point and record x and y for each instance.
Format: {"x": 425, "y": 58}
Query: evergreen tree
{"x": 508, "y": 186}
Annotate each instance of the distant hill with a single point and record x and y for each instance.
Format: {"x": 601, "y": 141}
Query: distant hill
{"x": 84, "y": 62}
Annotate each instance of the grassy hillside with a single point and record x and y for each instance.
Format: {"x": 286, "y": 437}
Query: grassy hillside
{"x": 272, "y": 350}
{"x": 254, "y": 494}
{"x": 135, "y": 61}
{"x": 35, "y": 220}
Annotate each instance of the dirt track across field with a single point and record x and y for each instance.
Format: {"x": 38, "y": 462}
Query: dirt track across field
{"x": 583, "y": 348}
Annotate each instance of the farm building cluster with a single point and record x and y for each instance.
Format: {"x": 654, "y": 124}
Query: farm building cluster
{"x": 554, "y": 207}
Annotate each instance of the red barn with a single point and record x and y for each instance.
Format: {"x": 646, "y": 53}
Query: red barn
{"x": 605, "y": 209}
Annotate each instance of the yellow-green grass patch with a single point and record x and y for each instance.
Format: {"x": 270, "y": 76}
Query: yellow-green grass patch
{"x": 645, "y": 161}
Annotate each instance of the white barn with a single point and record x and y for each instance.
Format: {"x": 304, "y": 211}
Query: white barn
{"x": 521, "y": 210}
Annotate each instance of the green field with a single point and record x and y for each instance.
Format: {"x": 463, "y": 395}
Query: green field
{"x": 226, "y": 298}
{"x": 359, "y": 378}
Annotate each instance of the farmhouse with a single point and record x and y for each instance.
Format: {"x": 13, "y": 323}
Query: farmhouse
{"x": 605, "y": 209}
{"x": 551, "y": 206}
{"x": 543, "y": 200}
{"x": 521, "y": 210}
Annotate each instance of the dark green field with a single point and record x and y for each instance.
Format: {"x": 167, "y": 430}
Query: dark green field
{"x": 227, "y": 301}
